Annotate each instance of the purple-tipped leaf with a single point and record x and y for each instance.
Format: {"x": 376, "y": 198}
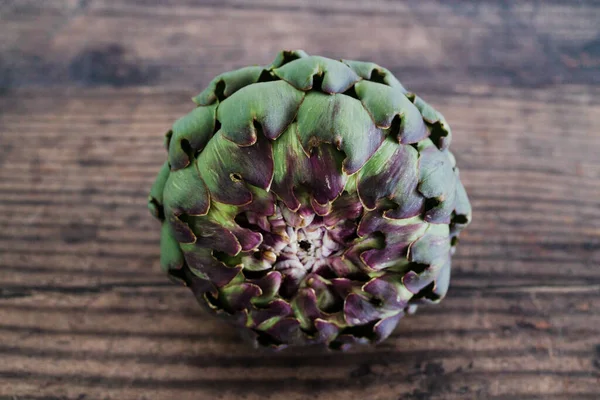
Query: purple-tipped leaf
{"x": 341, "y": 121}
{"x": 226, "y": 168}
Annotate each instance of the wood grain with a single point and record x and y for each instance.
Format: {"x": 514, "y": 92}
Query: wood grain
{"x": 87, "y": 89}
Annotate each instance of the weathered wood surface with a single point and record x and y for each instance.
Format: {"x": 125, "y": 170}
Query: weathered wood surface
{"x": 88, "y": 88}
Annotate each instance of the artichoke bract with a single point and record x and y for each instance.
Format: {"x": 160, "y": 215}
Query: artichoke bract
{"x": 310, "y": 201}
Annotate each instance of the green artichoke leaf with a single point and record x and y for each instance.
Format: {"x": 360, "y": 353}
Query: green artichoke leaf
{"x": 285, "y": 56}
{"x": 352, "y": 257}
{"x": 273, "y": 105}
{"x": 432, "y": 250}
{"x": 227, "y": 167}
{"x": 462, "y": 211}
{"x": 155, "y": 198}
{"x": 185, "y": 194}
{"x": 337, "y": 77}
{"x": 385, "y": 103}
{"x": 441, "y": 284}
{"x": 441, "y": 134}
{"x": 452, "y": 159}
{"x": 437, "y": 181}
{"x": 373, "y": 72}
{"x": 392, "y": 173}
{"x": 219, "y": 230}
{"x": 226, "y": 84}
{"x": 342, "y": 121}
{"x": 433, "y": 247}
{"x": 399, "y": 235}
{"x": 211, "y": 234}
{"x": 171, "y": 256}
{"x": 318, "y": 172}
{"x": 190, "y": 134}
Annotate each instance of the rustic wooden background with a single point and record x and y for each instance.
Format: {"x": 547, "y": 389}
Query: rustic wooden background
{"x": 87, "y": 89}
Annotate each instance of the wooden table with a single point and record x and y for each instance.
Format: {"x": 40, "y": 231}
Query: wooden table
{"x": 90, "y": 86}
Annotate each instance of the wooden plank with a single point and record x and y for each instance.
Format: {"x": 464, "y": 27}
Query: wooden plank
{"x": 428, "y": 44}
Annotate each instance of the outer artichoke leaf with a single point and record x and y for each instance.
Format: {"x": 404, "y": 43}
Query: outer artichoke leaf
{"x": 358, "y": 310}
{"x": 225, "y": 167}
{"x": 440, "y": 130}
{"x": 373, "y": 72}
{"x": 219, "y": 230}
{"x": 326, "y": 330}
{"x": 386, "y": 326}
{"x": 211, "y": 234}
{"x": 337, "y": 77}
{"x": 190, "y": 134}
{"x": 226, "y": 84}
{"x": 198, "y": 284}
{"x": 202, "y": 263}
{"x": 392, "y": 173}
{"x": 462, "y": 209}
{"x": 437, "y": 181}
{"x": 238, "y": 297}
{"x": 345, "y": 341}
{"x": 318, "y": 172}
{"x": 399, "y": 235}
{"x": 171, "y": 256}
{"x": 385, "y": 103}
{"x": 184, "y": 194}
{"x": 286, "y": 56}
{"x": 155, "y": 199}
{"x": 390, "y": 291}
{"x": 432, "y": 249}
{"x": 284, "y": 330}
{"x": 435, "y": 276}
{"x": 271, "y": 104}
{"x": 273, "y": 311}
{"x": 342, "y": 121}
{"x": 442, "y": 281}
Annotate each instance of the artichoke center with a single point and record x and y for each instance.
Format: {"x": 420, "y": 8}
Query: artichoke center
{"x": 300, "y": 243}
{"x": 308, "y": 248}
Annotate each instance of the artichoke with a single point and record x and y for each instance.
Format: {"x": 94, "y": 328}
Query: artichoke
{"x": 311, "y": 201}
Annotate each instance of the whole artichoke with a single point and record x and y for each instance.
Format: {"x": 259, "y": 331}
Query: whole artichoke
{"x": 310, "y": 201}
